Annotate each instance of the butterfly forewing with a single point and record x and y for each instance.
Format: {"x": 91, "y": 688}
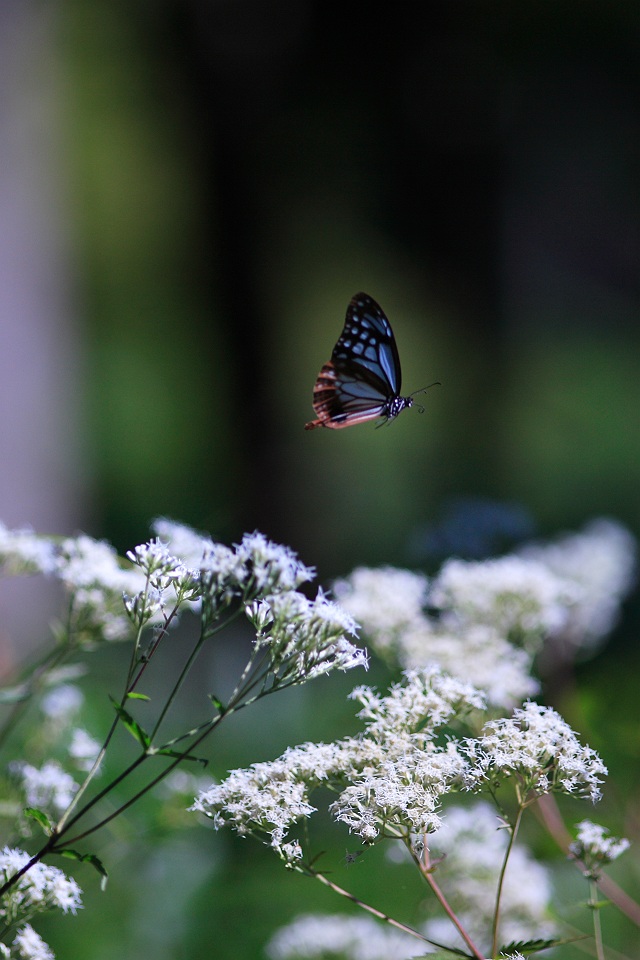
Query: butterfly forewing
{"x": 367, "y": 344}
{"x": 362, "y": 380}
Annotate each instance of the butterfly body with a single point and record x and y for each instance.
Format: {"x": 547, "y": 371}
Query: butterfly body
{"x": 362, "y": 380}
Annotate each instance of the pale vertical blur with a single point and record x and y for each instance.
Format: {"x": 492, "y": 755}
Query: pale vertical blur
{"x": 40, "y": 369}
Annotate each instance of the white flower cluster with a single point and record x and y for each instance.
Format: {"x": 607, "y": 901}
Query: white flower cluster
{"x": 61, "y": 702}
{"x": 27, "y": 945}
{"x": 305, "y": 638}
{"x": 397, "y": 772}
{"x": 595, "y": 849}
{"x": 179, "y": 567}
{"x": 255, "y": 567}
{"x": 41, "y": 888}
{"x": 473, "y": 849}
{"x": 169, "y": 583}
{"x": 265, "y": 798}
{"x": 161, "y": 567}
{"x": 339, "y": 936}
{"x": 23, "y": 552}
{"x": 59, "y": 705}
{"x": 484, "y": 621}
{"x": 391, "y": 777}
{"x": 599, "y": 563}
{"x": 538, "y": 747}
{"x": 389, "y": 604}
{"x": 48, "y": 788}
{"x": 477, "y": 653}
{"x": 520, "y": 598}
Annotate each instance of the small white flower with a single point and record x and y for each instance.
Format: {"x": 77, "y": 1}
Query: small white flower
{"x": 64, "y": 892}
{"x": 83, "y": 749}
{"x": 291, "y": 853}
{"x": 594, "y": 848}
{"x": 62, "y": 702}
{"x": 30, "y": 945}
{"x": 270, "y": 566}
{"x": 161, "y": 566}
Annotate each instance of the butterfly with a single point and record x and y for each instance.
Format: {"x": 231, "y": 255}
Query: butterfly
{"x": 362, "y": 380}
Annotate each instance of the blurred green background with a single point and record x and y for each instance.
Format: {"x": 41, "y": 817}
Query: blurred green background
{"x": 226, "y": 175}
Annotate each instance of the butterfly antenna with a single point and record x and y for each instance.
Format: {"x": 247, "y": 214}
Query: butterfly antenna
{"x": 436, "y": 383}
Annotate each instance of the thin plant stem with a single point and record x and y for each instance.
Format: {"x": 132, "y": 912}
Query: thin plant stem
{"x": 202, "y": 732}
{"x": 129, "y": 686}
{"x": 132, "y": 683}
{"x": 237, "y": 703}
{"x": 426, "y": 869}
{"x": 513, "y": 833}
{"x": 378, "y": 913}
{"x": 204, "y": 636}
{"x": 208, "y": 728}
{"x": 124, "y": 806}
{"x": 597, "y": 924}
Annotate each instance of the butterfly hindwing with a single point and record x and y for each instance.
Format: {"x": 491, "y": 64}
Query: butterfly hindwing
{"x": 340, "y": 400}
{"x": 362, "y": 380}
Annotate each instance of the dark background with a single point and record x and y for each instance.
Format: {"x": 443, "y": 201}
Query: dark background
{"x": 243, "y": 169}
{"x": 227, "y": 175}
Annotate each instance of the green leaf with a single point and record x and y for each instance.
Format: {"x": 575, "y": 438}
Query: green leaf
{"x": 90, "y": 858}
{"x": 218, "y": 704}
{"x": 40, "y": 818}
{"x": 528, "y": 946}
{"x": 138, "y": 696}
{"x": 132, "y": 726}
